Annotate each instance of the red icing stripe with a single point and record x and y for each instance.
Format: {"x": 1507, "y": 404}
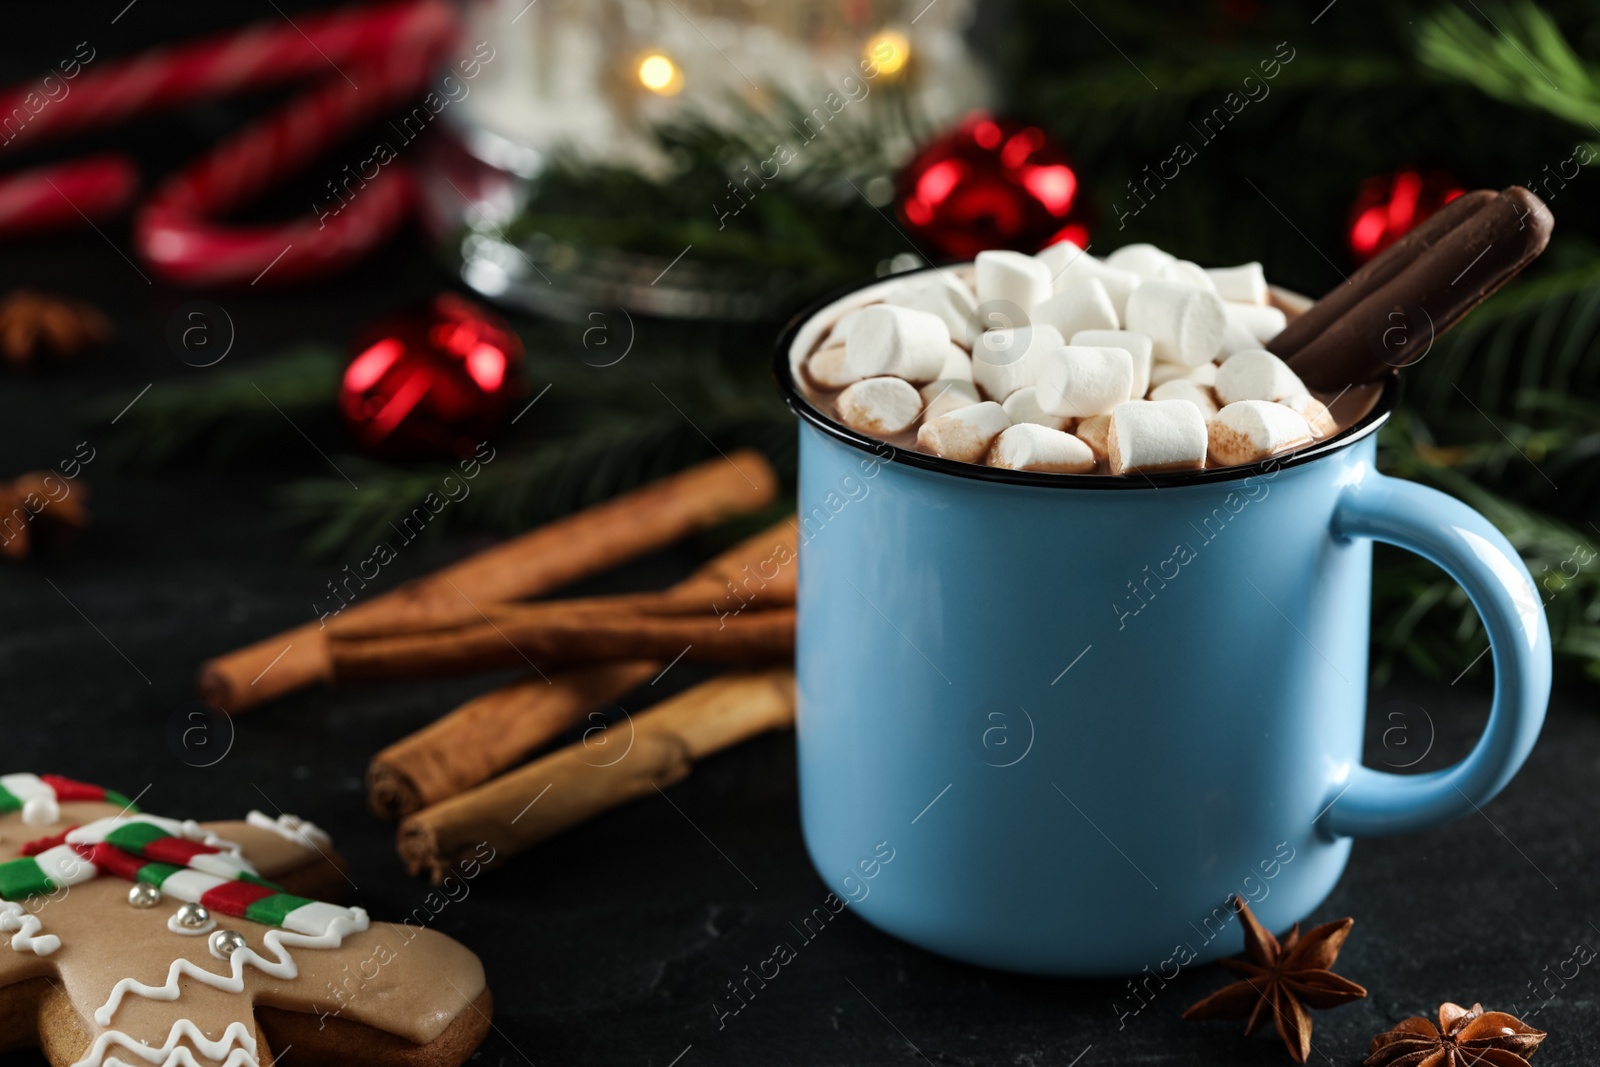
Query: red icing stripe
{"x": 68, "y": 789}
{"x": 111, "y": 859}
{"x": 175, "y": 850}
{"x": 33, "y": 848}
{"x": 232, "y": 898}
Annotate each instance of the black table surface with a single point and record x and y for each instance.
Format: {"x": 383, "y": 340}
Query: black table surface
{"x": 613, "y": 943}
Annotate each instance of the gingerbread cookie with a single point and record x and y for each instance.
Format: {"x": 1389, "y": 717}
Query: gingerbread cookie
{"x": 138, "y": 940}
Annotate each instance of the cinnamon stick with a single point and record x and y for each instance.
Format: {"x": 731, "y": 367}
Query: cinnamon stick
{"x": 543, "y": 642}
{"x": 491, "y": 732}
{"x": 498, "y": 730}
{"x": 657, "y": 748}
{"x": 579, "y": 545}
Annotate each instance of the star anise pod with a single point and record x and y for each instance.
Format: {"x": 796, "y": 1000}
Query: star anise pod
{"x": 39, "y": 506}
{"x": 1465, "y": 1037}
{"x": 1283, "y": 979}
{"x": 32, "y": 323}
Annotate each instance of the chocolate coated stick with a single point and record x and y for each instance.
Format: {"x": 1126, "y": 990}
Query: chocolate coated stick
{"x": 1376, "y": 272}
{"x": 1397, "y": 322}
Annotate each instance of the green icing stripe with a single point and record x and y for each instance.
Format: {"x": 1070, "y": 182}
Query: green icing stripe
{"x": 21, "y": 878}
{"x": 253, "y": 879}
{"x": 270, "y": 911}
{"x": 134, "y": 836}
{"x": 156, "y": 873}
{"x": 8, "y": 800}
{"x": 118, "y": 798}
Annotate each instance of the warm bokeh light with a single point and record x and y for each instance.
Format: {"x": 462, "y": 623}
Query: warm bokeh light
{"x": 1389, "y": 206}
{"x": 659, "y": 74}
{"x": 890, "y": 51}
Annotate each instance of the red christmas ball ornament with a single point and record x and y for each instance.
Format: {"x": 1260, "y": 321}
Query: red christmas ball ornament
{"x": 991, "y": 183}
{"x": 1389, "y": 206}
{"x": 431, "y": 382}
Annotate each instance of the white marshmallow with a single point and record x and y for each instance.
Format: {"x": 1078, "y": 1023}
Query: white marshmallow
{"x": 1185, "y": 272}
{"x": 895, "y": 340}
{"x": 1235, "y": 338}
{"x": 1004, "y": 361}
{"x": 1184, "y": 323}
{"x": 841, "y": 327}
{"x": 964, "y": 435}
{"x": 826, "y": 367}
{"x": 1191, "y": 391}
{"x": 1013, "y": 278}
{"x": 1162, "y": 373}
{"x": 1256, "y": 374}
{"x": 1136, "y": 345}
{"x": 1070, "y": 265}
{"x": 1314, "y": 411}
{"x": 957, "y": 364}
{"x": 1249, "y": 430}
{"x": 1061, "y": 256}
{"x": 946, "y": 395}
{"x": 882, "y": 406}
{"x": 1083, "y": 305}
{"x": 1291, "y": 302}
{"x": 1080, "y": 381}
{"x": 1156, "y": 435}
{"x": 1030, "y": 447}
{"x": 1147, "y": 261}
{"x": 1119, "y": 284}
{"x": 1263, "y": 323}
{"x": 1244, "y": 284}
{"x": 1023, "y": 406}
{"x": 1095, "y": 431}
{"x": 952, "y": 301}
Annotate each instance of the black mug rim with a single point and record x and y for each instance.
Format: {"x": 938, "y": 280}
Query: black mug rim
{"x": 783, "y": 375}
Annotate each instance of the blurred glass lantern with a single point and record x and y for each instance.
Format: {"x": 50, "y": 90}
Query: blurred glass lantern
{"x": 593, "y": 74}
{"x": 592, "y": 77}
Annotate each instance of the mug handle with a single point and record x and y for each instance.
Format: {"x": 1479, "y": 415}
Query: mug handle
{"x": 1469, "y": 549}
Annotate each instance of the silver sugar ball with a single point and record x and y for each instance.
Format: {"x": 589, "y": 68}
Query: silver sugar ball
{"x": 193, "y": 916}
{"x": 225, "y": 943}
{"x": 143, "y": 895}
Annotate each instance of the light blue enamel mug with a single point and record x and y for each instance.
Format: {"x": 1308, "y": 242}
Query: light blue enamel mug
{"x": 1052, "y": 723}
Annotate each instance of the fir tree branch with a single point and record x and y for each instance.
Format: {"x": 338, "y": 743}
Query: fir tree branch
{"x": 227, "y": 411}
{"x": 1422, "y": 616}
{"x": 1521, "y": 57}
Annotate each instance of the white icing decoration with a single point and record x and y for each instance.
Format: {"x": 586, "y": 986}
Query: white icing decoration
{"x": 191, "y": 885}
{"x": 302, "y": 832}
{"x": 238, "y": 1043}
{"x": 39, "y": 806}
{"x": 277, "y": 942}
{"x": 64, "y": 867}
{"x": 14, "y": 918}
{"x": 41, "y": 811}
{"x": 93, "y": 833}
{"x": 190, "y": 931}
{"x": 222, "y": 864}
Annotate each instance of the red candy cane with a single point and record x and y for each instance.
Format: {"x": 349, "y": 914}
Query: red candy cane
{"x": 174, "y": 235}
{"x": 66, "y": 194}
{"x": 382, "y": 54}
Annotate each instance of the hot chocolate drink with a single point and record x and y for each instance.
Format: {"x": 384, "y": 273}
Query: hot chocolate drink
{"x": 1063, "y": 362}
